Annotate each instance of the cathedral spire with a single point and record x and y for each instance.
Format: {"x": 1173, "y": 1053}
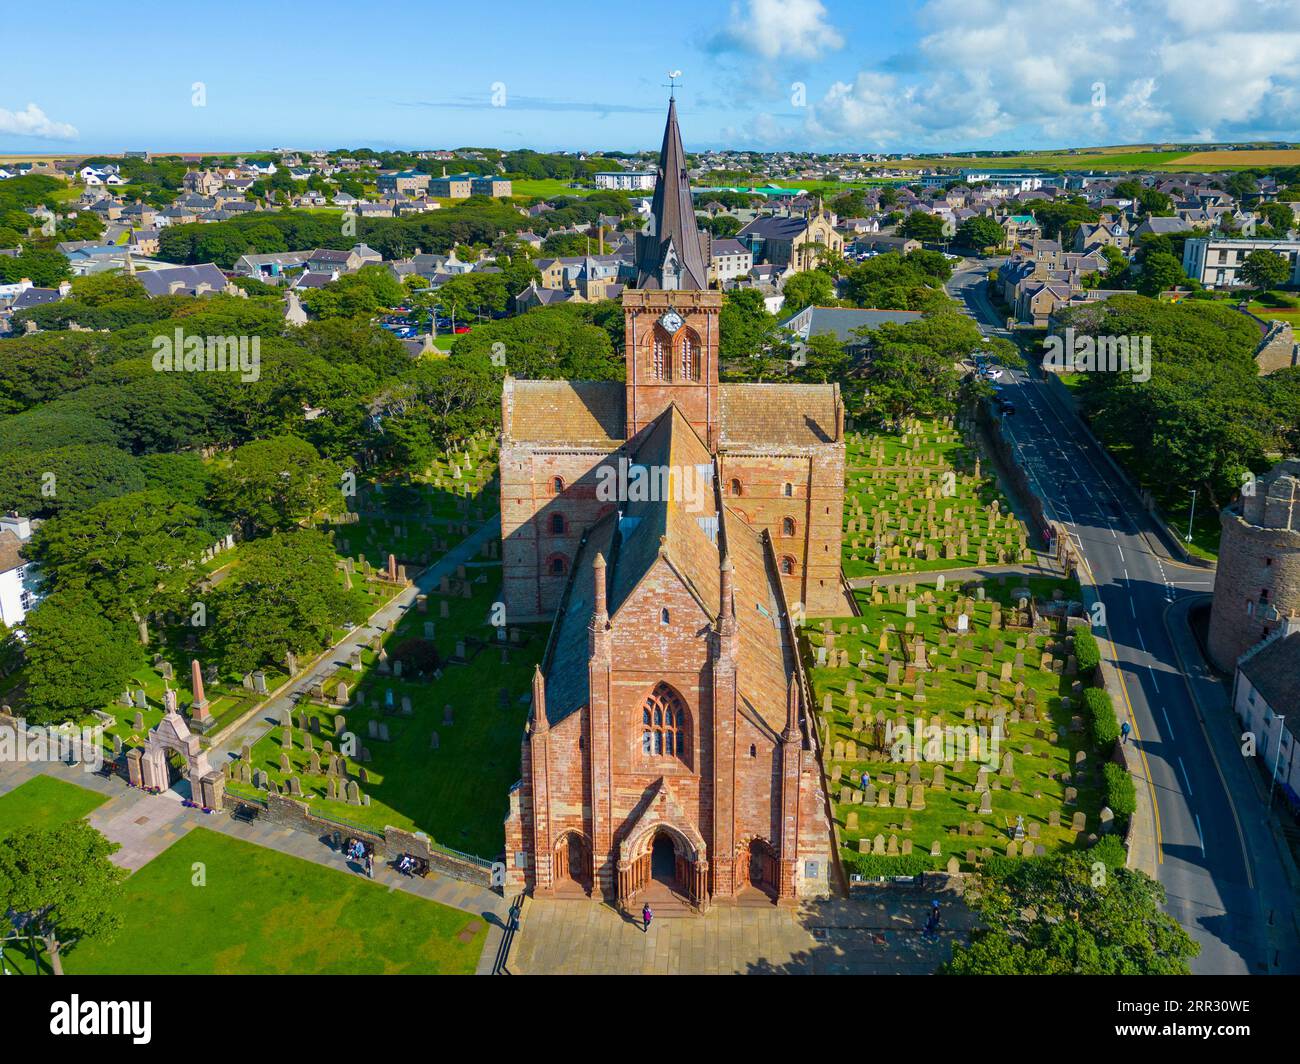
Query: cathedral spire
{"x": 670, "y": 255}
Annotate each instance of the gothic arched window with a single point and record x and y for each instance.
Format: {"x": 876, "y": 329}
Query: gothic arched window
{"x": 663, "y": 367}
{"x": 787, "y": 566}
{"x": 690, "y": 351}
{"x": 664, "y": 724}
{"x": 787, "y": 526}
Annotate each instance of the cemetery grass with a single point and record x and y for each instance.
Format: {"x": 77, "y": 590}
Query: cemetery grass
{"x": 263, "y": 912}
{"x": 970, "y": 499}
{"x": 457, "y": 793}
{"x": 945, "y": 810}
{"x": 45, "y": 802}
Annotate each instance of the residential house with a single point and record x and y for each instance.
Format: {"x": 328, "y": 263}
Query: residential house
{"x": 1266, "y": 700}
{"x": 728, "y": 259}
{"x": 792, "y": 240}
{"x": 19, "y": 582}
{"x": 204, "y": 280}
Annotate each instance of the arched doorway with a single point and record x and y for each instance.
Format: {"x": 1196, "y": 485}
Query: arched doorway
{"x": 757, "y": 868}
{"x": 664, "y": 861}
{"x": 572, "y": 864}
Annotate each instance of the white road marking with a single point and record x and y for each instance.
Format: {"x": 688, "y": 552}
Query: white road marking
{"x": 1186, "y": 780}
{"x": 1200, "y": 834}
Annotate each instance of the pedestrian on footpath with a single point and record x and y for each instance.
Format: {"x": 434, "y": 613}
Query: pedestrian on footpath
{"x": 932, "y": 921}
{"x": 1124, "y": 729}
{"x": 647, "y": 914}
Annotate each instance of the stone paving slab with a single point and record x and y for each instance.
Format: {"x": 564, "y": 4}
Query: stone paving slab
{"x": 877, "y": 935}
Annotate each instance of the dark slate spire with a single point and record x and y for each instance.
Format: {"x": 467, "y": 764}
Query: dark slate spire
{"x": 669, "y": 255}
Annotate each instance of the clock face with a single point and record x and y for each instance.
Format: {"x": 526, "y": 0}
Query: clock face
{"x": 672, "y": 321}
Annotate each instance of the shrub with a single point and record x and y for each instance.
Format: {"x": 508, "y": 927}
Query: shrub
{"x": 1086, "y": 651}
{"x": 1109, "y": 850}
{"x": 1101, "y": 718}
{"x": 872, "y": 865}
{"x": 1121, "y": 795}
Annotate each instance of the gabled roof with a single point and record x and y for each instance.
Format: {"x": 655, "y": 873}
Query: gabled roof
{"x": 565, "y": 413}
{"x": 689, "y": 542}
{"x": 1274, "y": 671}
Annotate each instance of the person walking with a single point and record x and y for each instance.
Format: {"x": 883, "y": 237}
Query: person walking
{"x": 647, "y": 914}
{"x": 1124, "y": 729}
{"x": 932, "y": 921}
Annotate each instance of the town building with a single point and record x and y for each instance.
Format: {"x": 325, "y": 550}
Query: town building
{"x": 1216, "y": 262}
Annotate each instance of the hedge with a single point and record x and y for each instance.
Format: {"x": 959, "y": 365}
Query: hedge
{"x": 1109, "y": 850}
{"x": 1121, "y": 795}
{"x": 871, "y": 865}
{"x": 1101, "y": 719}
{"x": 1087, "y": 654}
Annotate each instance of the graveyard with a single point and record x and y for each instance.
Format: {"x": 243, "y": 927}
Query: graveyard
{"x": 434, "y": 708}
{"x": 914, "y": 692}
{"x": 407, "y": 516}
{"x": 923, "y": 500}
{"x": 258, "y": 911}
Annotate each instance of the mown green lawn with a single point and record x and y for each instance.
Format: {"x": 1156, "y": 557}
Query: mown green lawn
{"x": 256, "y": 911}
{"x": 46, "y": 802}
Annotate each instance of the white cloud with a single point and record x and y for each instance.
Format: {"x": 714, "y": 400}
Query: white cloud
{"x": 33, "y": 122}
{"x": 776, "y": 29}
{"x": 981, "y": 74}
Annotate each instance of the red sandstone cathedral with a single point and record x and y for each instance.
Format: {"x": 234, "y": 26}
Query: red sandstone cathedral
{"x": 671, "y": 527}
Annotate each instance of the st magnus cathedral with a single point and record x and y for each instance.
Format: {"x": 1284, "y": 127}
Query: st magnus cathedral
{"x": 669, "y": 751}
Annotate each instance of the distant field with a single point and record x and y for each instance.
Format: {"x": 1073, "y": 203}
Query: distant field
{"x": 548, "y": 188}
{"x": 1119, "y": 159}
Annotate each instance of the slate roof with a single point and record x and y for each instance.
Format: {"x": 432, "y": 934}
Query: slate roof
{"x": 33, "y": 297}
{"x": 1274, "y": 671}
{"x": 672, "y": 218}
{"x": 159, "y": 282}
{"x": 841, "y": 321}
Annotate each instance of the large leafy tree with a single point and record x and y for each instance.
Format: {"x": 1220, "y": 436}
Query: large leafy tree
{"x": 1265, "y": 269}
{"x": 283, "y": 596}
{"x": 745, "y": 328}
{"x": 61, "y": 886}
{"x": 135, "y": 554}
{"x": 1069, "y": 915}
{"x": 77, "y": 659}
{"x": 980, "y": 232}
{"x": 275, "y": 484}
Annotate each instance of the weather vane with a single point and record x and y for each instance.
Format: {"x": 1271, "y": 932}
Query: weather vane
{"x": 673, "y": 76}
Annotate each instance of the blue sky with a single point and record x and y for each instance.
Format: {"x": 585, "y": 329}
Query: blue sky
{"x": 864, "y": 75}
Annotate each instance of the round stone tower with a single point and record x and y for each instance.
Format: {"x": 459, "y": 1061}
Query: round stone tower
{"x": 1258, "y": 579}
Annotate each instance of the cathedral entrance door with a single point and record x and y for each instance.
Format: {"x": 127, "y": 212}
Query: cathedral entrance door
{"x": 663, "y": 861}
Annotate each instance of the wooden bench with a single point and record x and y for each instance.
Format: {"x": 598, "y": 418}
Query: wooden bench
{"x": 245, "y": 814}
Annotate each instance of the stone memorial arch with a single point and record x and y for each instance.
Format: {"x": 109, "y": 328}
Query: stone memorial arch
{"x": 147, "y": 765}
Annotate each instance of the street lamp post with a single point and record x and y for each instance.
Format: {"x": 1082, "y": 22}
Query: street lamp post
{"x": 1191, "y": 520}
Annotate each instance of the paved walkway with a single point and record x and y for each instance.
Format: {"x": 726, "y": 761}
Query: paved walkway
{"x": 1043, "y": 567}
{"x": 875, "y": 934}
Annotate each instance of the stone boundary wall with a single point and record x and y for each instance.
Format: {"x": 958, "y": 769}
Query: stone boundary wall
{"x": 387, "y": 845}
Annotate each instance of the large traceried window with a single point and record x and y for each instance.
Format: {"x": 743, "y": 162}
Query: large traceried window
{"x": 664, "y": 724}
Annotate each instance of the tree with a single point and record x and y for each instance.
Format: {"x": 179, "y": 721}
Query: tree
{"x": 1160, "y": 272}
{"x": 134, "y": 554}
{"x": 980, "y": 232}
{"x": 1071, "y": 914}
{"x": 825, "y": 360}
{"x": 284, "y": 596}
{"x": 923, "y": 226}
{"x": 77, "y": 659}
{"x": 814, "y": 288}
{"x": 276, "y": 484}
{"x": 61, "y": 885}
{"x": 1265, "y": 269}
{"x": 745, "y": 327}
{"x": 44, "y": 482}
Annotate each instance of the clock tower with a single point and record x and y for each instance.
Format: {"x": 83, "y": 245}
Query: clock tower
{"x": 671, "y": 317}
